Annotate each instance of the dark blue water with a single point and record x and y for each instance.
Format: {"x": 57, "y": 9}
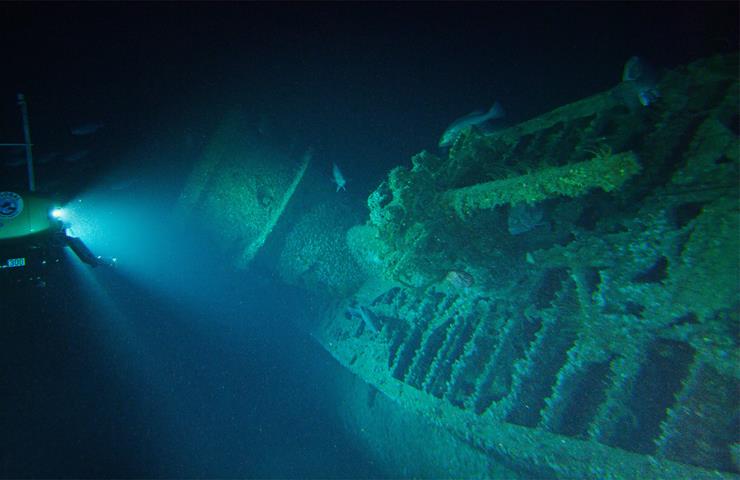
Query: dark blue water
{"x": 130, "y": 386}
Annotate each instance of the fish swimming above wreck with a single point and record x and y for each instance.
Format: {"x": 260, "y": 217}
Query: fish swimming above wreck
{"x": 338, "y": 178}
{"x": 536, "y": 287}
{"x": 642, "y": 81}
{"x": 473, "y": 119}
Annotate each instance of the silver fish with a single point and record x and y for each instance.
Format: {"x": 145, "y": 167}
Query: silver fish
{"x": 469, "y": 120}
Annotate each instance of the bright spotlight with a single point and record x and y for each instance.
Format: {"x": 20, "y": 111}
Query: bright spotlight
{"x": 58, "y": 213}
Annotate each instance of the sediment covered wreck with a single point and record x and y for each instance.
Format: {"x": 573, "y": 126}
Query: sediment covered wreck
{"x": 559, "y": 299}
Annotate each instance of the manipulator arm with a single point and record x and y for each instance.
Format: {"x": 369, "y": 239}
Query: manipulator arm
{"x": 85, "y": 254}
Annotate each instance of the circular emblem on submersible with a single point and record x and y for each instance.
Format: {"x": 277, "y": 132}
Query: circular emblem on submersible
{"x": 11, "y": 205}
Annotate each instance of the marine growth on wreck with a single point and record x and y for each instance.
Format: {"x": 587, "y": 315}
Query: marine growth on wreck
{"x": 560, "y": 297}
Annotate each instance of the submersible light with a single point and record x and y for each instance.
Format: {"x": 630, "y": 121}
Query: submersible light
{"x": 58, "y": 213}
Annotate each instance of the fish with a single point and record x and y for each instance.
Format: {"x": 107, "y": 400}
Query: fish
{"x": 641, "y": 81}
{"x": 470, "y": 120}
{"x": 460, "y": 279}
{"x": 524, "y": 217}
{"x": 86, "y": 129}
{"x": 367, "y": 317}
{"x": 338, "y": 178}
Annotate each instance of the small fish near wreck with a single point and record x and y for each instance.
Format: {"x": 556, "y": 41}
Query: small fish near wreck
{"x": 524, "y": 217}
{"x": 460, "y": 280}
{"x": 470, "y": 120}
{"x": 641, "y": 81}
{"x": 338, "y": 178}
{"x": 368, "y": 319}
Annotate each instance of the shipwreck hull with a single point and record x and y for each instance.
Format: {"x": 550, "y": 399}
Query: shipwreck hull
{"x": 601, "y": 341}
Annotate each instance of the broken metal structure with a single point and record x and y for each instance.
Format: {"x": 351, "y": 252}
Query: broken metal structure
{"x": 599, "y": 340}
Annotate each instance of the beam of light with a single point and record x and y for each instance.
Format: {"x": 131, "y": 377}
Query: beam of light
{"x": 120, "y": 325}
{"x": 166, "y": 291}
{"x": 173, "y": 261}
{"x": 99, "y": 299}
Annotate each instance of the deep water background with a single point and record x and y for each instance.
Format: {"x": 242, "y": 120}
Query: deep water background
{"x": 101, "y": 379}
{"x": 192, "y": 369}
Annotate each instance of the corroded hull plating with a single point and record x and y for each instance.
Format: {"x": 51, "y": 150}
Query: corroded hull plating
{"x": 602, "y": 344}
